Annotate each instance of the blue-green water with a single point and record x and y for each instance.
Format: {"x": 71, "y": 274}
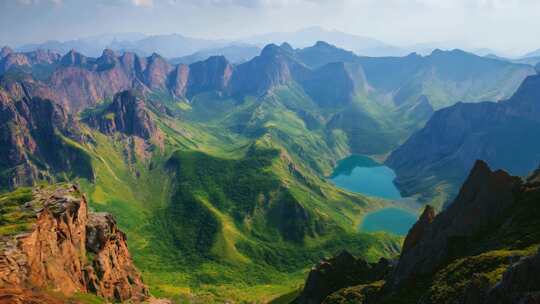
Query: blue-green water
{"x": 394, "y": 220}
{"x": 363, "y": 175}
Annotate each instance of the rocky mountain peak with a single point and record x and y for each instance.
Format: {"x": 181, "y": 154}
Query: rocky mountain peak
{"x": 73, "y": 58}
{"x": 287, "y": 47}
{"x": 482, "y": 201}
{"x": 107, "y": 59}
{"x": 212, "y": 74}
{"x": 271, "y": 50}
{"x": 126, "y": 114}
{"x": 157, "y": 72}
{"x": 419, "y": 228}
{"x": 6, "y": 50}
{"x": 324, "y": 44}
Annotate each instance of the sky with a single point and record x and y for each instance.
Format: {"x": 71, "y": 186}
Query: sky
{"x": 509, "y": 26}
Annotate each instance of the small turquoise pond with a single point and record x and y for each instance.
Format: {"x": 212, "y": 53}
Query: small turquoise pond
{"x": 363, "y": 175}
{"x": 395, "y": 220}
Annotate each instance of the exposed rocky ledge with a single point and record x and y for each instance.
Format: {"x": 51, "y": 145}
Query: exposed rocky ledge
{"x": 66, "y": 249}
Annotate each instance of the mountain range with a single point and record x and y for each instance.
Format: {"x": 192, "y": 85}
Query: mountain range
{"x": 418, "y": 85}
{"x": 176, "y": 46}
{"x": 216, "y": 171}
{"x": 441, "y": 153}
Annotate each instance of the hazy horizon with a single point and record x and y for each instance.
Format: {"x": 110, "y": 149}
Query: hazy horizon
{"x": 508, "y": 27}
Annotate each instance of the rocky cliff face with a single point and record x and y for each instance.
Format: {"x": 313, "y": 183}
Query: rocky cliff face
{"x": 274, "y": 67}
{"x": 212, "y": 74}
{"x": 482, "y": 201}
{"x": 32, "y": 142}
{"x": 126, "y": 114}
{"x": 446, "y": 148}
{"x": 67, "y": 249}
{"x": 12, "y": 60}
{"x": 338, "y": 272}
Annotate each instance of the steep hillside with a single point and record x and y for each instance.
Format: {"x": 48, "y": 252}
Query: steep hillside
{"x": 49, "y": 241}
{"x": 446, "y": 148}
{"x": 215, "y": 212}
{"x": 36, "y": 143}
{"x": 482, "y": 249}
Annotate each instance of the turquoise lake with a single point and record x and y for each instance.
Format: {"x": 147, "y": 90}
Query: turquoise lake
{"x": 363, "y": 175}
{"x": 394, "y": 220}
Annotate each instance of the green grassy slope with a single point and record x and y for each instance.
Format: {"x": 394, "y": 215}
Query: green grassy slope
{"x": 233, "y": 206}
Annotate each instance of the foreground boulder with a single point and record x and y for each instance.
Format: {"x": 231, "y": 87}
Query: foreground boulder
{"x": 49, "y": 241}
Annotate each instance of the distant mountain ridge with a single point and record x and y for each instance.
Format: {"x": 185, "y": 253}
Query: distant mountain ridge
{"x": 336, "y": 81}
{"x": 445, "y": 149}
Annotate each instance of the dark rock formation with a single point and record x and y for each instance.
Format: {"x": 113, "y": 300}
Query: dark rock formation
{"x": 274, "y": 67}
{"x": 32, "y": 144}
{"x": 69, "y": 250}
{"x": 341, "y": 271}
{"x": 416, "y": 233}
{"x": 213, "y": 74}
{"x": 126, "y": 114}
{"x": 482, "y": 201}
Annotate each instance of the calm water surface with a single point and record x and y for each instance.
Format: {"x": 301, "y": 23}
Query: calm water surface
{"x": 363, "y": 175}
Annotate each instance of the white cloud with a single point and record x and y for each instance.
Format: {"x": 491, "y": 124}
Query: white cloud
{"x": 144, "y": 3}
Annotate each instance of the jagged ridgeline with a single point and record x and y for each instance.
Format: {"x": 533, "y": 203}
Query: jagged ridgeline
{"x": 483, "y": 249}
{"x": 215, "y": 171}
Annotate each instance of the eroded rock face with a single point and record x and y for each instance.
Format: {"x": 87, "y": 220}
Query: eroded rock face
{"x": 274, "y": 67}
{"x": 31, "y": 134}
{"x": 481, "y": 202}
{"x": 341, "y": 271}
{"x": 69, "y": 250}
{"x": 418, "y": 230}
{"x": 126, "y": 114}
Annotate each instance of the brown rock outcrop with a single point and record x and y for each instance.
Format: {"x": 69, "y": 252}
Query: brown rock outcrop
{"x": 67, "y": 249}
